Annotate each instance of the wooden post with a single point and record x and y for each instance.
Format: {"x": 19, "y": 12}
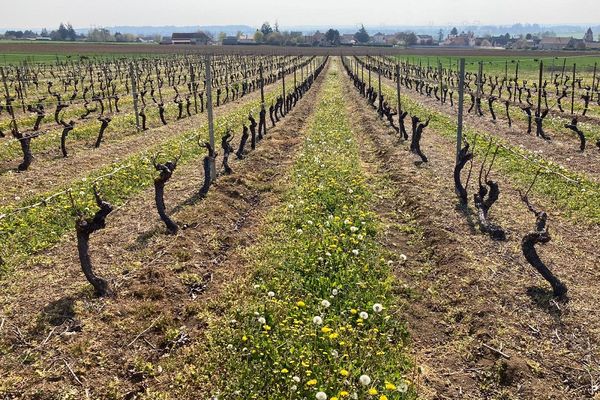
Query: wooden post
{"x": 379, "y": 98}
{"x": 461, "y": 98}
{"x": 362, "y": 72}
{"x": 479, "y": 79}
{"x": 295, "y": 81}
{"x": 369, "y": 68}
{"x": 193, "y": 81}
{"x": 573, "y": 90}
{"x": 283, "y": 80}
{"x": 158, "y": 82}
{"x": 516, "y": 81}
{"x": 539, "y": 102}
{"x": 262, "y": 84}
{"x": 12, "y": 114}
{"x": 92, "y": 80}
{"x": 594, "y": 80}
{"x": 441, "y": 81}
{"x": 398, "y": 89}
{"x": 209, "y": 113}
{"x": 135, "y": 96}
{"x": 19, "y": 80}
{"x": 107, "y": 90}
{"x": 562, "y": 74}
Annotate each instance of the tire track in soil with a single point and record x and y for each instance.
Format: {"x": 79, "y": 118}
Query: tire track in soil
{"x": 461, "y": 290}
{"x": 146, "y": 267}
{"x": 46, "y": 173}
{"x": 563, "y": 149}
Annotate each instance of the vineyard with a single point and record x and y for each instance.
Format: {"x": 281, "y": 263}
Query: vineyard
{"x": 300, "y": 225}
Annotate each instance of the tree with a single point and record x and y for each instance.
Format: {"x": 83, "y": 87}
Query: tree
{"x": 409, "y": 38}
{"x": 259, "y": 37}
{"x": 221, "y": 36}
{"x": 333, "y": 36}
{"x": 44, "y": 33}
{"x": 362, "y": 36}
{"x": 266, "y": 29}
{"x": 276, "y": 26}
{"x": 70, "y": 34}
{"x": 440, "y": 35}
{"x": 454, "y": 31}
{"x": 528, "y": 36}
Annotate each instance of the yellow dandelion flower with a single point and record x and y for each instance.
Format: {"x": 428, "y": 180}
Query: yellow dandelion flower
{"x": 284, "y": 371}
{"x": 326, "y": 329}
{"x": 312, "y": 382}
{"x": 301, "y": 304}
{"x": 344, "y": 372}
{"x": 390, "y": 386}
{"x": 334, "y": 336}
{"x": 373, "y": 391}
{"x": 343, "y": 393}
{"x": 383, "y": 397}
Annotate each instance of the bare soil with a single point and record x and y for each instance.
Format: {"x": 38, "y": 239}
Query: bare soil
{"x": 484, "y": 324}
{"x": 58, "y": 337}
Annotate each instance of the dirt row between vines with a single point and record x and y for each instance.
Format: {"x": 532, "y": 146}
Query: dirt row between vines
{"x": 162, "y": 282}
{"x": 49, "y": 169}
{"x": 463, "y": 292}
{"x": 563, "y": 149}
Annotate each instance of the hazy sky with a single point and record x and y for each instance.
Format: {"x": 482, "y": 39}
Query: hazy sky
{"x": 82, "y": 14}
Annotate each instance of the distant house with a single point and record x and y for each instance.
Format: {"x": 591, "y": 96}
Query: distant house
{"x": 378, "y": 38}
{"x": 190, "y": 38}
{"x": 462, "y": 40}
{"x": 347, "y": 39}
{"x": 424, "y": 40}
{"x": 317, "y": 39}
{"x": 556, "y": 43}
{"x": 230, "y": 40}
{"x": 592, "y": 45}
{"x": 166, "y": 40}
{"x": 246, "y": 40}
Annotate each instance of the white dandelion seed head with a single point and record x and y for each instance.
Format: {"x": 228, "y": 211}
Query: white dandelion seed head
{"x": 317, "y": 320}
{"x": 294, "y": 388}
{"x": 271, "y": 294}
{"x": 321, "y": 396}
{"x": 353, "y": 229}
{"x": 334, "y": 292}
{"x": 377, "y": 307}
{"x": 360, "y": 237}
{"x": 364, "y": 380}
{"x": 363, "y": 315}
{"x": 309, "y": 222}
{"x": 325, "y": 303}
{"x": 403, "y": 258}
{"x": 296, "y": 379}
{"x": 355, "y": 252}
{"x": 262, "y": 320}
{"x": 402, "y": 387}
{"x": 299, "y": 231}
